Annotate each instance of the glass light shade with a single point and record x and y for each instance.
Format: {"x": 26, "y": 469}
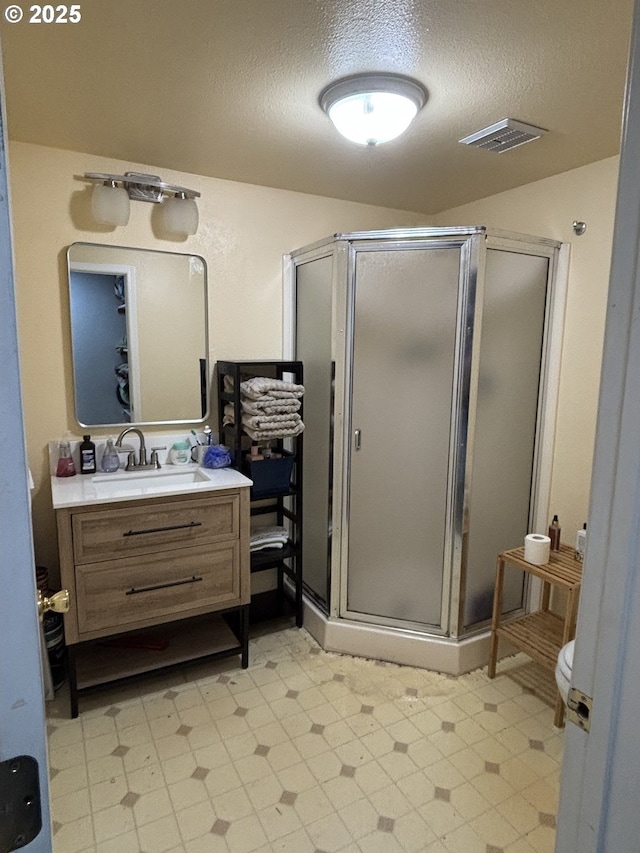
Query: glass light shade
{"x": 370, "y": 118}
{"x": 110, "y": 204}
{"x": 180, "y": 215}
{"x": 373, "y": 108}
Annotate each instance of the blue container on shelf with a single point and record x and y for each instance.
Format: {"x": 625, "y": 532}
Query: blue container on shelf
{"x": 270, "y": 476}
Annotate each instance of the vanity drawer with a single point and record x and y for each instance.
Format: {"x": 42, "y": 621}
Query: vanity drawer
{"x": 165, "y": 526}
{"x": 120, "y": 593}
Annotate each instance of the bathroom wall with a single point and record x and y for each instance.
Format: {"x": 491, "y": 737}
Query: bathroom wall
{"x": 244, "y": 232}
{"x": 548, "y": 208}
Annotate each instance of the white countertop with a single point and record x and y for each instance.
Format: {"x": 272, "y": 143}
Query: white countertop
{"x": 84, "y": 489}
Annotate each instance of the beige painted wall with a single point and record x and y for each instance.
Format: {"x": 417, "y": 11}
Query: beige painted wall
{"x": 244, "y": 232}
{"x": 548, "y": 208}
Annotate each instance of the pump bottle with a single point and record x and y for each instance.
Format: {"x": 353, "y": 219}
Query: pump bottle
{"x": 554, "y": 533}
{"x": 581, "y": 541}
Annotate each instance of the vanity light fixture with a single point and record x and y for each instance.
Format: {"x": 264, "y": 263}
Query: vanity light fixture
{"x": 373, "y": 108}
{"x": 110, "y": 200}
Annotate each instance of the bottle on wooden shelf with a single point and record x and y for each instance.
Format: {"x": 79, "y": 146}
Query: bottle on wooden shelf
{"x": 554, "y": 533}
{"x": 581, "y": 539}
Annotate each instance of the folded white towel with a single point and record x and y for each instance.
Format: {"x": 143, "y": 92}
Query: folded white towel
{"x": 260, "y": 427}
{"x": 266, "y": 546}
{"x": 271, "y": 421}
{"x": 274, "y": 536}
{"x": 259, "y": 386}
{"x": 279, "y": 432}
{"x": 260, "y": 409}
{"x": 277, "y": 406}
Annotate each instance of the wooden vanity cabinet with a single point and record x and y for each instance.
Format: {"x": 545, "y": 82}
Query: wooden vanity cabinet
{"x": 154, "y": 583}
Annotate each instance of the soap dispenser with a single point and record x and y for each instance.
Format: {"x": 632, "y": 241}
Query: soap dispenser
{"x": 110, "y": 461}
{"x": 66, "y": 466}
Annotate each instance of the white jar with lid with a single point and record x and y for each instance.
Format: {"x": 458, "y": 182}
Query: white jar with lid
{"x": 180, "y": 453}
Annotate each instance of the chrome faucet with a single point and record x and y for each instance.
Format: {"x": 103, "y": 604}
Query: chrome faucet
{"x": 141, "y": 464}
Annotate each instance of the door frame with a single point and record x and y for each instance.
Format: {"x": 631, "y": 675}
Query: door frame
{"x": 22, "y": 715}
{"x": 128, "y": 272}
{"x": 601, "y": 769}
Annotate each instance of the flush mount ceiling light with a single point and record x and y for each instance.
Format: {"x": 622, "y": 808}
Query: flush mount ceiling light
{"x": 373, "y": 108}
{"x": 110, "y": 200}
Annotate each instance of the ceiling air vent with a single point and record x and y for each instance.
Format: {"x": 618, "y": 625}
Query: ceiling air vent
{"x": 503, "y": 135}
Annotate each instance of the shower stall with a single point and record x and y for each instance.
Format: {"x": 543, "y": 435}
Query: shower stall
{"x": 426, "y": 358}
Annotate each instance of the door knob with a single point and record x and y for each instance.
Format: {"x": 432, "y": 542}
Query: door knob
{"x": 58, "y": 602}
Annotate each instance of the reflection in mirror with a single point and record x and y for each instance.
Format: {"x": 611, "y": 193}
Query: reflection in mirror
{"x": 138, "y": 335}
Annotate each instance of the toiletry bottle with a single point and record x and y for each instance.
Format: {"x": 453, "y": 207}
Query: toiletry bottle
{"x": 87, "y": 455}
{"x": 554, "y": 533}
{"x": 110, "y": 461}
{"x": 66, "y": 467}
{"x": 581, "y": 541}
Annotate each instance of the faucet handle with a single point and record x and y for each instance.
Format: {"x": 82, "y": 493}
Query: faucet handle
{"x": 154, "y": 455}
{"x": 131, "y": 460}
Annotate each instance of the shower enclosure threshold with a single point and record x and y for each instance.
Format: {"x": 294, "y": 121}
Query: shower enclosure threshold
{"x": 408, "y": 648}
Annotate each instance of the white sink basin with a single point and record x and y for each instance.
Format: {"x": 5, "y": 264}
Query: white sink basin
{"x": 147, "y": 482}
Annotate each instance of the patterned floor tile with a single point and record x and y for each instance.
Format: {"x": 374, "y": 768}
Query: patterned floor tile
{"x": 309, "y": 751}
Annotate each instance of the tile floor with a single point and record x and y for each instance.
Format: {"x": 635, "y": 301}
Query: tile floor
{"x": 309, "y": 752}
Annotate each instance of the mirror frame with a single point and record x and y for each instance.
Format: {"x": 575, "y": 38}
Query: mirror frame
{"x": 116, "y": 248}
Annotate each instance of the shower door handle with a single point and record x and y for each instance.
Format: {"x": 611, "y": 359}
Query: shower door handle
{"x": 357, "y": 439}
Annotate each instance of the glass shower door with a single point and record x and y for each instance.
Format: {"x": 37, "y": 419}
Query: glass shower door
{"x": 313, "y": 347}
{"x": 504, "y": 444}
{"x": 404, "y": 340}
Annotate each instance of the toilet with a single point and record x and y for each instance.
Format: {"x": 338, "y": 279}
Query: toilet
{"x": 563, "y": 669}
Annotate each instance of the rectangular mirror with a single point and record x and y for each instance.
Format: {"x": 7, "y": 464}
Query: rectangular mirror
{"x": 138, "y": 335}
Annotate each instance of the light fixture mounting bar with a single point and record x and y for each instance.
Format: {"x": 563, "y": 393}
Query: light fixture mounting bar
{"x": 142, "y": 187}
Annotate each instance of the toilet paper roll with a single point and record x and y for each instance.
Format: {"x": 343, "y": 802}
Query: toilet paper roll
{"x": 537, "y": 548}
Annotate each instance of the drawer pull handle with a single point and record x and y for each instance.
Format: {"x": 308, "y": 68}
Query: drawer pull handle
{"x": 163, "y": 529}
{"x": 135, "y": 590}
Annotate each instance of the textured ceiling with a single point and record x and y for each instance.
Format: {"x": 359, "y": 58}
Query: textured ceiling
{"x": 229, "y": 88}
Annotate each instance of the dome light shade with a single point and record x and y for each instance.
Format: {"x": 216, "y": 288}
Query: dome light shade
{"x": 180, "y": 215}
{"x": 110, "y": 204}
{"x": 370, "y": 109}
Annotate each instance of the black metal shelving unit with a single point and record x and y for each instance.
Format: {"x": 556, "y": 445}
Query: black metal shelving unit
{"x": 285, "y": 506}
